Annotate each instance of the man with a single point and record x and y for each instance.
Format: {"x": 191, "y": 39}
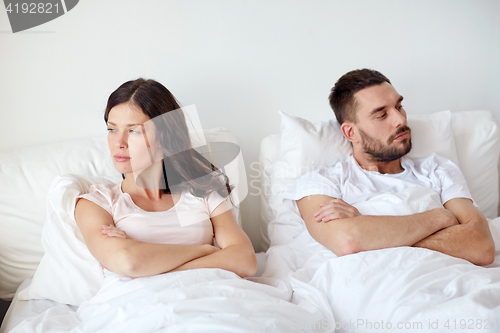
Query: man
{"x": 372, "y": 118}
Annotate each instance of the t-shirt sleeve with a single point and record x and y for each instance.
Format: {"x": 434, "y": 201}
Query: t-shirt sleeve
{"x": 323, "y": 181}
{"x": 451, "y": 179}
{"x": 215, "y": 199}
{"x": 101, "y": 195}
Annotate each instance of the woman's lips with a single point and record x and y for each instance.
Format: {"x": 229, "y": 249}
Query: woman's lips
{"x": 121, "y": 158}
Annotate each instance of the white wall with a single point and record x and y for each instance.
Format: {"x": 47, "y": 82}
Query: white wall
{"x": 242, "y": 61}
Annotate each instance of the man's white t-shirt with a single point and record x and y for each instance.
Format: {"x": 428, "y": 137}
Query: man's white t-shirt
{"x": 348, "y": 181}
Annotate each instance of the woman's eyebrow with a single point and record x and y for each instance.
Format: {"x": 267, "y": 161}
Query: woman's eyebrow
{"x": 127, "y": 125}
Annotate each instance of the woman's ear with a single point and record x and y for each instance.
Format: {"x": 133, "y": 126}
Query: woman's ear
{"x": 349, "y": 131}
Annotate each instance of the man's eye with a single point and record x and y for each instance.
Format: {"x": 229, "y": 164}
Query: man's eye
{"x": 111, "y": 129}
{"x": 134, "y": 132}
{"x": 399, "y": 107}
{"x": 382, "y": 115}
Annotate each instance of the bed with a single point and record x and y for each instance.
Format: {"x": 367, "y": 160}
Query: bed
{"x": 56, "y": 285}
{"x": 300, "y": 286}
{"x": 397, "y": 289}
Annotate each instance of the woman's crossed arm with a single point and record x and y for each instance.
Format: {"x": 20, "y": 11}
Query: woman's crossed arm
{"x": 127, "y": 256}
{"x": 236, "y": 254}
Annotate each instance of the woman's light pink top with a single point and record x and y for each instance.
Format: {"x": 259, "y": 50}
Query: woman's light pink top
{"x": 188, "y": 222}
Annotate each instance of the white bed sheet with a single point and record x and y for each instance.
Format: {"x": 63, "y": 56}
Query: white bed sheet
{"x": 21, "y": 310}
{"x": 418, "y": 289}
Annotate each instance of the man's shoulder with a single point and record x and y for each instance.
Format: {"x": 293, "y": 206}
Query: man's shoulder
{"x": 428, "y": 163}
{"x": 433, "y": 158}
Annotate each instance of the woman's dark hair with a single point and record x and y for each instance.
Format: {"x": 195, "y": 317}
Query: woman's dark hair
{"x": 182, "y": 165}
{"x": 342, "y": 98}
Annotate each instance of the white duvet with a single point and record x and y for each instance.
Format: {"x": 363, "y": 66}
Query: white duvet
{"x": 201, "y": 300}
{"x": 402, "y": 289}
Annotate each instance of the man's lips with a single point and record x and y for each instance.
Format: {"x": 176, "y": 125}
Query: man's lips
{"x": 121, "y": 158}
{"x": 402, "y": 136}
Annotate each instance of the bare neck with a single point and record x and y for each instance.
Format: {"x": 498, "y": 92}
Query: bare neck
{"x": 146, "y": 183}
{"x": 366, "y": 162}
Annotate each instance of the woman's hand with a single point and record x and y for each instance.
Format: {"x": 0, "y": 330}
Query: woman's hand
{"x": 236, "y": 253}
{"x": 113, "y": 231}
{"x": 210, "y": 248}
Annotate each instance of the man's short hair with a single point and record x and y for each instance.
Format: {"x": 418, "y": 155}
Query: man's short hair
{"x": 342, "y": 95}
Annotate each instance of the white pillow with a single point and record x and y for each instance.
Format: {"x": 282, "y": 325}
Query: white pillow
{"x": 478, "y": 146}
{"x": 432, "y": 133}
{"x": 305, "y": 146}
{"x": 26, "y": 175}
{"x": 68, "y": 273}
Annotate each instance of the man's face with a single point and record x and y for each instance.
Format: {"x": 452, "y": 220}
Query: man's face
{"x": 381, "y": 123}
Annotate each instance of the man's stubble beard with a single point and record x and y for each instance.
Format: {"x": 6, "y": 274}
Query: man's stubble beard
{"x": 381, "y": 153}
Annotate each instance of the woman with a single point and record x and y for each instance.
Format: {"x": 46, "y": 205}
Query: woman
{"x": 157, "y": 221}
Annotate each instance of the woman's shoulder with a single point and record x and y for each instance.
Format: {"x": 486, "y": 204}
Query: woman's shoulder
{"x": 204, "y": 197}
{"x": 104, "y": 195}
{"x": 108, "y": 190}
{"x": 211, "y": 200}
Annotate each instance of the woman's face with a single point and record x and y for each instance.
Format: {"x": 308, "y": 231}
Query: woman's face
{"x": 132, "y": 139}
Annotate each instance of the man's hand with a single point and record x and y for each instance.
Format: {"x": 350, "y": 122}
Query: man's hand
{"x": 334, "y": 209}
{"x": 470, "y": 238}
{"x": 365, "y": 232}
{"x": 445, "y": 215}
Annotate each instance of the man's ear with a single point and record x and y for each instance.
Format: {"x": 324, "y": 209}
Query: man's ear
{"x": 348, "y": 129}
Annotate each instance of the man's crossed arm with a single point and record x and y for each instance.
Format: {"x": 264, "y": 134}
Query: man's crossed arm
{"x": 459, "y": 229}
